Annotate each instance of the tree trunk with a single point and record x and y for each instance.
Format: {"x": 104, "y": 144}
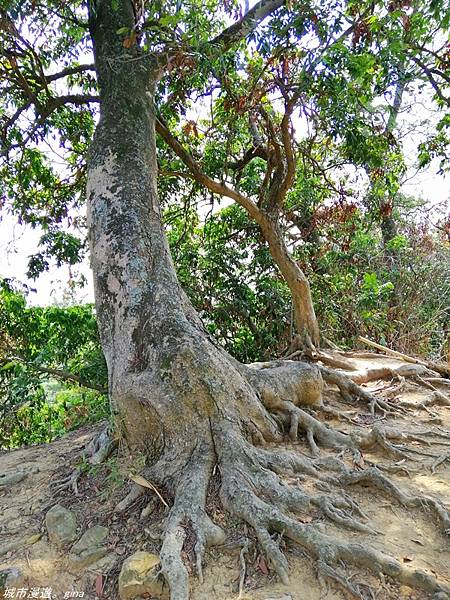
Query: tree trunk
{"x": 388, "y": 224}
{"x": 388, "y": 230}
{"x": 304, "y": 314}
{"x": 158, "y": 354}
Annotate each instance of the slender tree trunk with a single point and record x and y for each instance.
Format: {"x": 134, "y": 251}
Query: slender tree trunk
{"x": 388, "y": 229}
{"x": 388, "y": 225}
{"x": 304, "y": 314}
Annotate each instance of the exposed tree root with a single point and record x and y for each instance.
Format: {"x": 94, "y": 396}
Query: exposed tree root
{"x": 243, "y": 568}
{"x": 257, "y": 498}
{"x": 69, "y": 482}
{"x": 188, "y": 511}
{"x": 135, "y": 492}
{"x": 439, "y": 461}
{"x": 326, "y": 571}
{"x": 438, "y": 381}
{"x": 441, "y": 368}
{"x": 350, "y": 391}
{"x": 316, "y": 432}
{"x": 373, "y": 476}
{"x": 272, "y": 489}
{"x": 253, "y": 489}
{"x": 371, "y": 373}
{"x": 100, "y": 447}
{"x": 96, "y": 452}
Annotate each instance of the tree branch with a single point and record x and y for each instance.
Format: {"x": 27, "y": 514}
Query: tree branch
{"x": 431, "y": 79}
{"x": 286, "y": 136}
{"x": 240, "y": 30}
{"x": 69, "y": 71}
{"x": 211, "y": 184}
{"x": 77, "y": 99}
{"x": 58, "y": 373}
{"x": 251, "y": 153}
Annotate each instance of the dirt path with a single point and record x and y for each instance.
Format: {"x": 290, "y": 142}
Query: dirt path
{"x": 411, "y": 536}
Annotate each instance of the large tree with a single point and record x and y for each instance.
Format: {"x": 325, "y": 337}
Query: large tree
{"x": 176, "y": 396}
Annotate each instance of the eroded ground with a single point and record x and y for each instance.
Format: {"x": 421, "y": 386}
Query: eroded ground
{"x": 412, "y": 536}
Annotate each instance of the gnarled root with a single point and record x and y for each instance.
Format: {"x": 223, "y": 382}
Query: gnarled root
{"x": 377, "y": 479}
{"x": 350, "y": 391}
{"x": 68, "y": 482}
{"x": 188, "y": 517}
{"x": 97, "y": 451}
{"x": 316, "y": 432}
{"x": 263, "y": 487}
{"x": 257, "y": 497}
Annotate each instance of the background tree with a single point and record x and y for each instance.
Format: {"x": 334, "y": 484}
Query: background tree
{"x": 40, "y": 347}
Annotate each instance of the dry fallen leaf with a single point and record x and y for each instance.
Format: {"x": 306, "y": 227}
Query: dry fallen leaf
{"x": 148, "y": 484}
{"x": 408, "y": 558}
{"x": 263, "y": 566}
{"x": 99, "y": 586}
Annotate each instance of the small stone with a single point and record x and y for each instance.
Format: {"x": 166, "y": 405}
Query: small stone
{"x": 138, "y": 577}
{"x": 77, "y": 562}
{"x": 11, "y": 478}
{"x": 61, "y": 525}
{"x": 284, "y": 597}
{"x": 14, "y": 545}
{"x": 104, "y": 565}
{"x": 11, "y": 577}
{"x": 88, "y": 550}
{"x": 94, "y": 536}
{"x": 441, "y": 596}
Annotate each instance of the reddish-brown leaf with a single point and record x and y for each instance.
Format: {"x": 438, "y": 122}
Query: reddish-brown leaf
{"x": 262, "y": 565}
{"x": 129, "y": 41}
{"x": 99, "y": 586}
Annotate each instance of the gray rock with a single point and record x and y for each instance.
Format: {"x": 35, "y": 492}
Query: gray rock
{"x": 138, "y": 577}
{"x": 94, "y": 536}
{"x": 61, "y": 525}
{"x": 11, "y": 577}
{"x": 88, "y": 557}
{"x": 89, "y": 550}
{"x": 11, "y": 478}
{"x": 105, "y": 564}
{"x": 18, "y": 543}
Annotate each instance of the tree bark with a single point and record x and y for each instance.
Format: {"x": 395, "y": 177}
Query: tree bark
{"x": 304, "y": 314}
